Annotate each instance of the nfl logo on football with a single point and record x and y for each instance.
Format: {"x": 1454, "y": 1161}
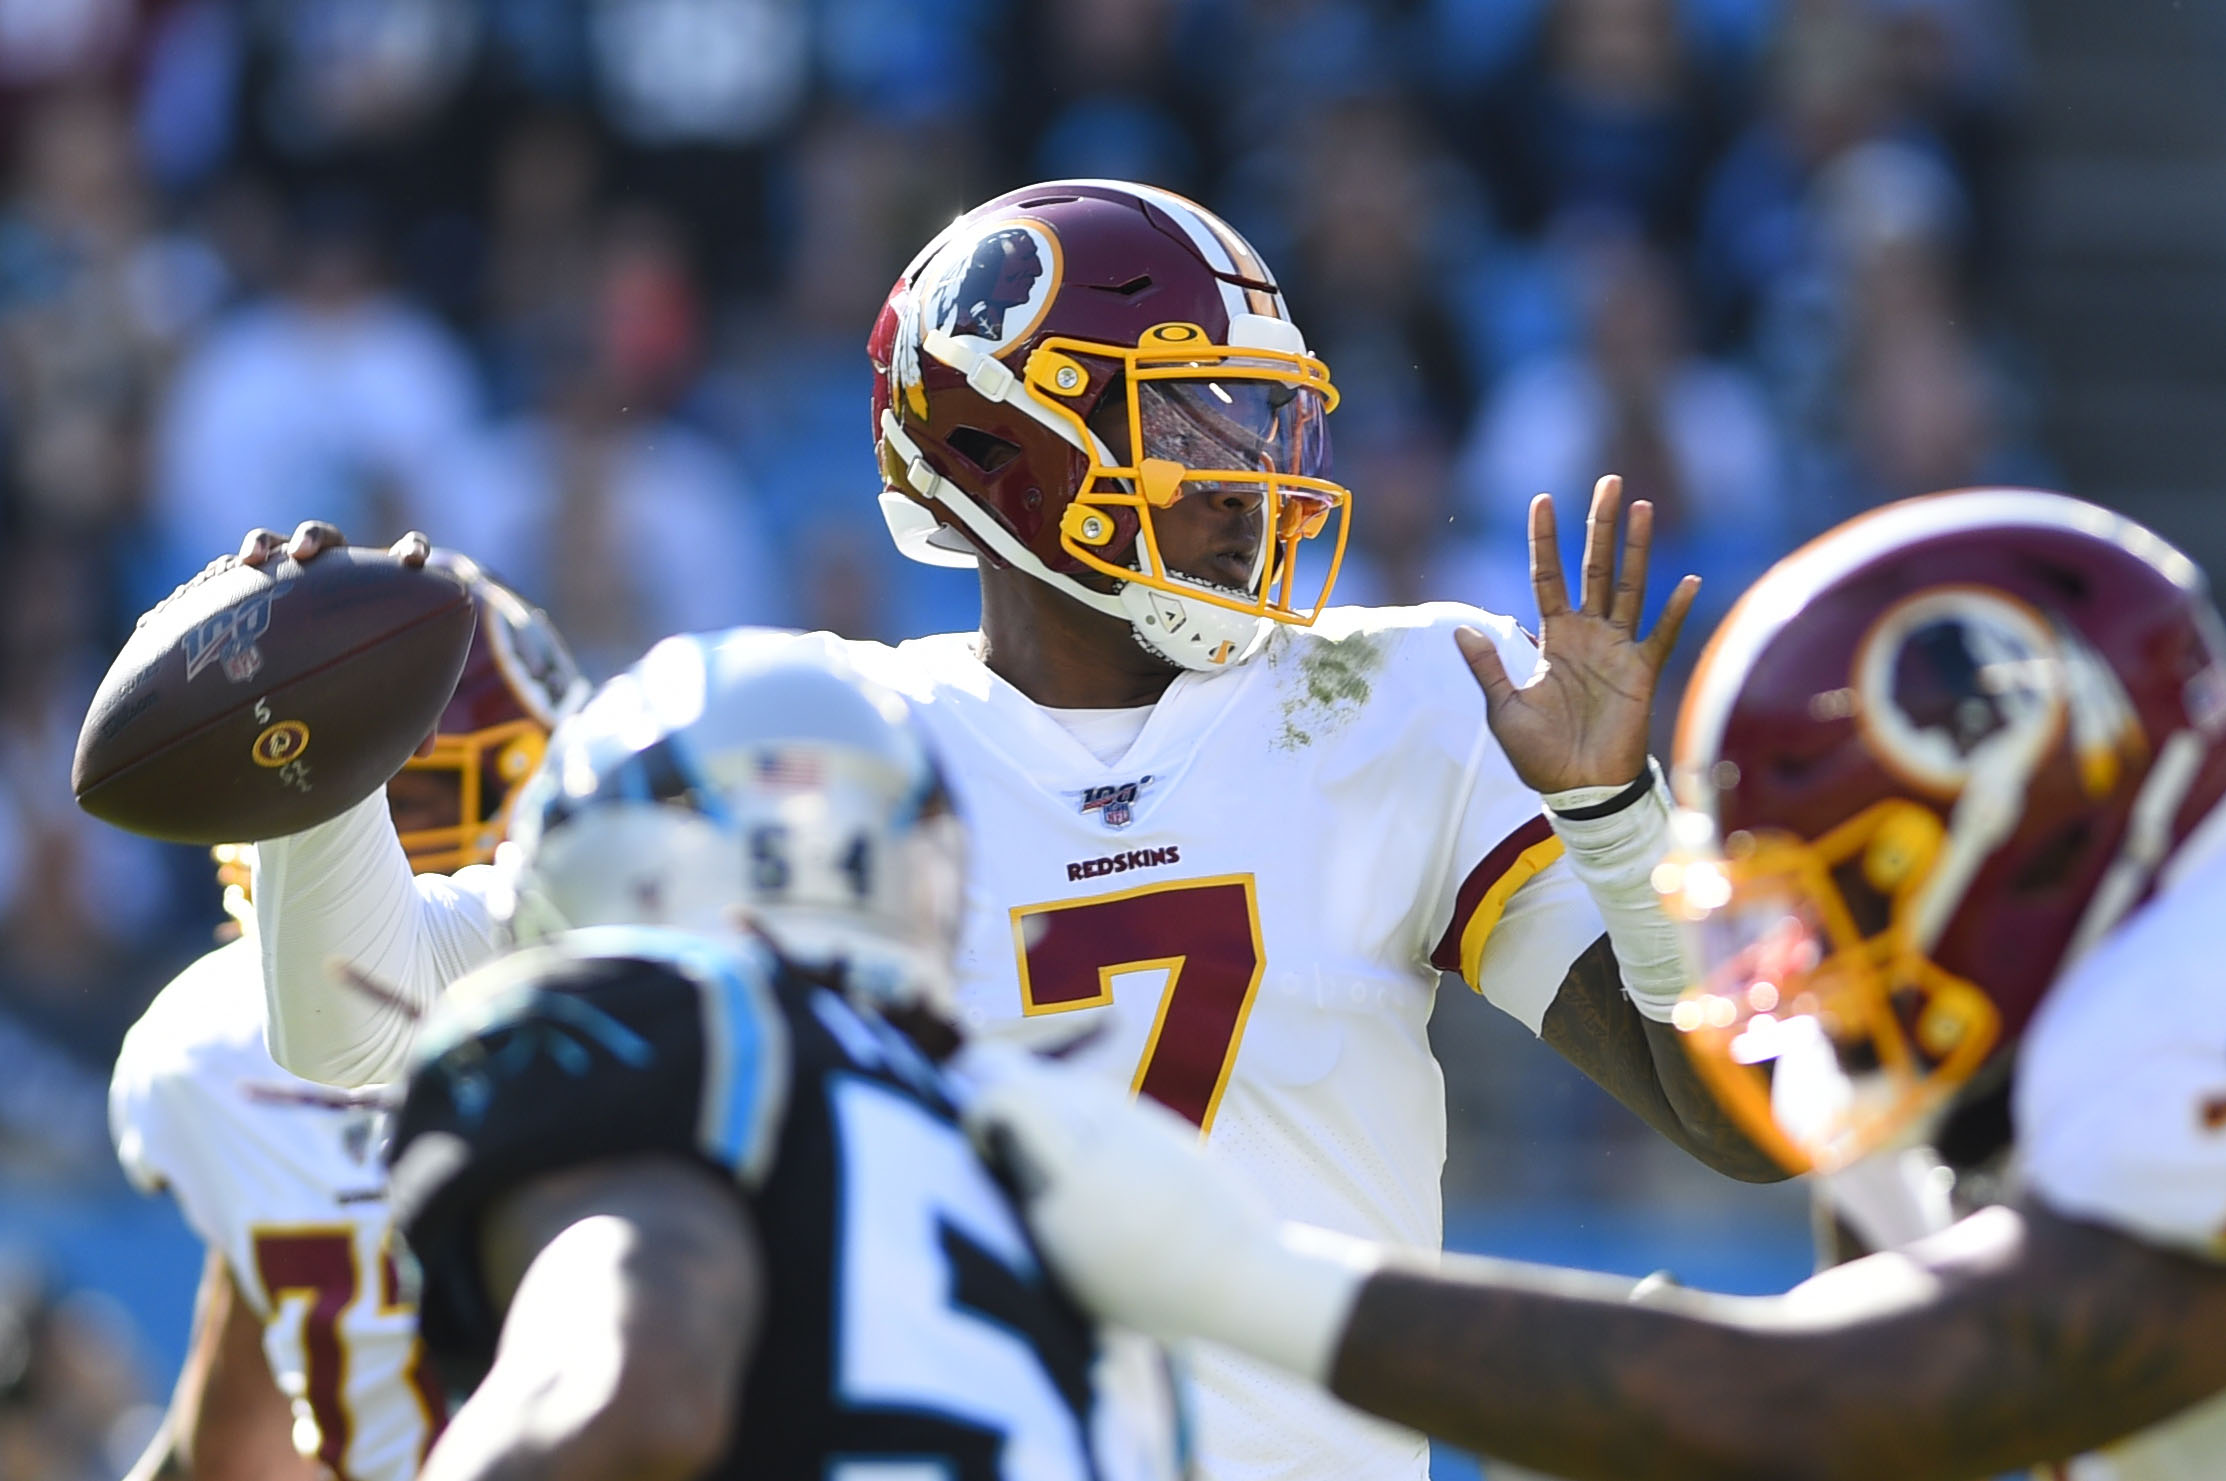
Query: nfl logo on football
{"x": 228, "y": 640}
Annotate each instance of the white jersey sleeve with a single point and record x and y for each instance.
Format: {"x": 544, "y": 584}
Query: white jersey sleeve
{"x": 2121, "y": 1080}
{"x": 154, "y": 1108}
{"x": 343, "y": 892}
{"x": 1506, "y": 915}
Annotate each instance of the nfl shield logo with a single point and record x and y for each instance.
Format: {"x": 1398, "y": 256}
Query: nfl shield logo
{"x": 1116, "y": 803}
{"x": 227, "y": 640}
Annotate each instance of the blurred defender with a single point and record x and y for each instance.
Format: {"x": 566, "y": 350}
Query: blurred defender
{"x": 699, "y": 1204}
{"x": 1957, "y": 786}
{"x": 304, "y": 1348}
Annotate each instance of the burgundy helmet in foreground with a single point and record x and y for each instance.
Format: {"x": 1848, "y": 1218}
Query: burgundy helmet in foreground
{"x": 1926, "y": 762}
{"x": 1064, "y": 361}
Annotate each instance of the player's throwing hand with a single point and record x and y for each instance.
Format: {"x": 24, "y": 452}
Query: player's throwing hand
{"x": 1582, "y": 719}
{"x": 313, "y": 536}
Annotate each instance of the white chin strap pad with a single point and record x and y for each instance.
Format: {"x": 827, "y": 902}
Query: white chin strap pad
{"x": 1192, "y": 634}
{"x": 914, "y": 527}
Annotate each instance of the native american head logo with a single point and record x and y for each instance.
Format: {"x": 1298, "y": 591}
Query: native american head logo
{"x": 981, "y": 289}
{"x": 992, "y": 284}
{"x": 1951, "y": 678}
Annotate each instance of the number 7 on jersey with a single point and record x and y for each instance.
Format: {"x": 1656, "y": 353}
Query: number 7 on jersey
{"x": 1204, "y": 932}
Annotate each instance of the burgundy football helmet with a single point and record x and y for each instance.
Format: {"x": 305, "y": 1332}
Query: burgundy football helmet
{"x": 518, "y": 681}
{"x": 1926, "y": 762}
{"x": 1068, "y": 358}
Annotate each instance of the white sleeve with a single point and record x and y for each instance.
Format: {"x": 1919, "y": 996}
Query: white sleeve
{"x": 165, "y": 1133}
{"x": 2120, "y": 1101}
{"x": 2147, "y": 1156}
{"x": 138, "y": 1123}
{"x": 1548, "y": 922}
{"x": 343, "y": 892}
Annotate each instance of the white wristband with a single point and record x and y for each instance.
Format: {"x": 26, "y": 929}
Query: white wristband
{"x": 1614, "y": 856}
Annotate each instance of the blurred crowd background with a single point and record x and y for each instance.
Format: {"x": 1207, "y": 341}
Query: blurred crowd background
{"x": 581, "y": 287}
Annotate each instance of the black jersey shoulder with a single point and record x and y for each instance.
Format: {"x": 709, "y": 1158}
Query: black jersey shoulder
{"x": 603, "y": 1045}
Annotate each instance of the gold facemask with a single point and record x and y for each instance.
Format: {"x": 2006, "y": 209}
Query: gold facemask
{"x": 472, "y": 764}
{"x": 1814, "y": 1016}
{"x": 1192, "y": 404}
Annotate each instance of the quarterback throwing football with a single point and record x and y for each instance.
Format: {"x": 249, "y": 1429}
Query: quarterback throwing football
{"x": 1235, "y": 831}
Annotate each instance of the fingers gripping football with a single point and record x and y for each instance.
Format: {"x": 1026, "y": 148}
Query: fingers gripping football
{"x": 273, "y": 690}
{"x": 1146, "y": 1231}
{"x": 313, "y": 536}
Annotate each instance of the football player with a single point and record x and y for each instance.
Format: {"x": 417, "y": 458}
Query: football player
{"x": 1954, "y": 775}
{"x": 696, "y": 1204}
{"x": 303, "y": 1336}
{"x": 1237, "y": 832}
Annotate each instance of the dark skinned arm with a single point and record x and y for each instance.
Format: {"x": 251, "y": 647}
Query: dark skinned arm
{"x": 1593, "y": 1024}
{"x": 227, "y": 1418}
{"x": 2016, "y": 1338}
{"x": 633, "y": 1293}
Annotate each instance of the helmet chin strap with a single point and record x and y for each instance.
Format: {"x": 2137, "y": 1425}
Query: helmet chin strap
{"x": 1192, "y": 635}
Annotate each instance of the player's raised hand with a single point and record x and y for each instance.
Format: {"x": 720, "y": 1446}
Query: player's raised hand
{"x": 1583, "y": 718}
{"x": 314, "y": 535}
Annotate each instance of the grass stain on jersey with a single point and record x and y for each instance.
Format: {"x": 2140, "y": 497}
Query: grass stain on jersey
{"x": 1333, "y": 683}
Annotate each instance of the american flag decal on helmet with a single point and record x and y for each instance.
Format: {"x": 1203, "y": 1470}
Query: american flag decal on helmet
{"x": 789, "y": 770}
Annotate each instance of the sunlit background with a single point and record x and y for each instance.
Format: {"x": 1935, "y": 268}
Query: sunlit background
{"x": 582, "y": 288}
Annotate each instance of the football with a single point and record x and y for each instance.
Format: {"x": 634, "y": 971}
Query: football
{"x": 258, "y": 701}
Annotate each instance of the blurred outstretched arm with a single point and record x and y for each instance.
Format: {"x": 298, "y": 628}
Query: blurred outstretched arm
{"x": 634, "y": 1292}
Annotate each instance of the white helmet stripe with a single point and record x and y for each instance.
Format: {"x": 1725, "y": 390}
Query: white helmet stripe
{"x": 993, "y": 380}
{"x": 1216, "y": 241}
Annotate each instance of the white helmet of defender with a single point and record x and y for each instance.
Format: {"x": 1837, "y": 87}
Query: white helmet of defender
{"x": 748, "y": 781}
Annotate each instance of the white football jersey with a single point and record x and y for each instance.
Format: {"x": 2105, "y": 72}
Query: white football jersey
{"x": 1244, "y": 917}
{"x": 287, "y": 1184}
{"x": 2120, "y": 1106}
{"x": 1240, "y": 918}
